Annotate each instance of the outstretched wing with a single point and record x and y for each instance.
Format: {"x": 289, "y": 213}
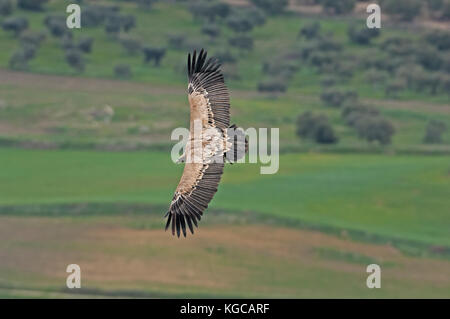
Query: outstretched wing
{"x": 210, "y": 104}
{"x": 207, "y": 90}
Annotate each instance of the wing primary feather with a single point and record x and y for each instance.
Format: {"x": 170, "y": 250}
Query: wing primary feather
{"x": 173, "y": 224}
{"x": 203, "y": 55}
{"x": 208, "y": 62}
{"x": 194, "y": 214}
{"x": 189, "y": 218}
{"x": 194, "y": 220}
{"x": 178, "y": 225}
{"x": 168, "y": 220}
{"x": 187, "y": 207}
{"x": 195, "y": 210}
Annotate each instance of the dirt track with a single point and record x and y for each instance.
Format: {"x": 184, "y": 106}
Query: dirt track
{"x": 56, "y": 82}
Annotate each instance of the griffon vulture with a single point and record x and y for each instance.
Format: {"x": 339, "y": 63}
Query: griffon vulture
{"x": 211, "y": 141}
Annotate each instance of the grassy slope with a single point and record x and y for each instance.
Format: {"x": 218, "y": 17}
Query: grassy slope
{"x": 386, "y": 195}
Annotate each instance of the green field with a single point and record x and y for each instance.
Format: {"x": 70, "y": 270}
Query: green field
{"x": 104, "y": 210}
{"x": 64, "y": 118}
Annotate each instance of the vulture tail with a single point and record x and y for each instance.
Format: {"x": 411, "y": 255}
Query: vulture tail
{"x": 236, "y": 136}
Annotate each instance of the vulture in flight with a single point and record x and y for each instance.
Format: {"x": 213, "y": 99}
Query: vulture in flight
{"x": 211, "y": 141}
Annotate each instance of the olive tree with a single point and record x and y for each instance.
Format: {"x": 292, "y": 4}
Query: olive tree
{"x": 15, "y": 25}
{"x": 434, "y": 131}
{"x": 316, "y": 128}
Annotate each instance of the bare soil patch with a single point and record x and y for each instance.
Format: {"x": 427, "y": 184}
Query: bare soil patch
{"x": 221, "y": 258}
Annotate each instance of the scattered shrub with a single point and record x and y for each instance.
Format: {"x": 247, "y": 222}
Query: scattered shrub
{"x": 398, "y": 46}
{"x": 93, "y": 15}
{"x": 342, "y": 68}
{"x": 85, "y": 44}
{"x": 210, "y": 29}
{"x": 176, "y": 41}
{"x": 429, "y": 57}
{"x": 225, "y": 56}
{"x": 29, "y": 51}
{"x": 362, "y": 35}
{"x": 440, "y": 39}
{"x": 211, "y": 10}
{"x": 56, "y": 24}
{"x": 394, "y": 87}
{"x": 113, "y": 24}
{"x": 272, "y": 86}
{"x": 146, "y": 4}
{"x": 32, "y": 38}
{"x": 328, "y": 81}
{"x": 376, "y": 77}
{"x": 18, "y": 61}
{"x": 128, "y": 22}
{"x": 239, "y": 23}
{"x": 67, "y": 42}
{"x": 338, "y": 6}
{"x": 435, "y": 5}
{"x": 255, "y": 15}
{"x": 354, "y": 112}
{"x": 20, "y": 58}
{"x": 403, "y": 10}
{"x": 33, "y": 5}
{"x": 416, "y": 78}
{"x": 230, "y": 71}
{"x": 327, "y": 43}
{"x": 445, "y": 12}
{"x": 322, "y": 59}
{"x": 280, "y": 68}
{"x": 310, "y": 30}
